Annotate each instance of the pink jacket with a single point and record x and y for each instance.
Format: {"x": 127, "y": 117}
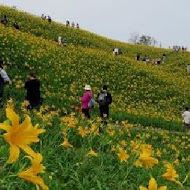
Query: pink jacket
{"x": 86, "y": 99}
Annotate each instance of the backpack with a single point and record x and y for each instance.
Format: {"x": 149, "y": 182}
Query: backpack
{"x": 91, "y": 103}
{"x": 102, "y": 99}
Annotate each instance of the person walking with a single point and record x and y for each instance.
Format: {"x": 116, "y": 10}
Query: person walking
{"x": 87, "y": 96}
{"x": 104, "y": 99}
{"x": 4, "y": 79}
{"x": 32, "y": 86}
{"x": 186, "y": 119}
{"x": 4, "y": 20}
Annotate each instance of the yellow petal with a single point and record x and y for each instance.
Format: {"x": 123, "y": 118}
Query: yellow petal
{"x": 12, "y": 116}
{"x": 34, "y": 179}
{"x": 152, "y": 184}
{"x": 5, "y": 127}
{"x": 28, "y": 150}
{"x": 14, "y": 154}
{"x": 163, "y": 188}
{"x": 26, "y": 122}
{"x": 142, "y": 188}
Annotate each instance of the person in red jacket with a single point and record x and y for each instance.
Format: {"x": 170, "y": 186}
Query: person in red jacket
{"x": 87, "y": 96}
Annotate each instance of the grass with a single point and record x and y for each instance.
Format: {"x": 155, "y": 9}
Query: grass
{"x": 146, "y": 109}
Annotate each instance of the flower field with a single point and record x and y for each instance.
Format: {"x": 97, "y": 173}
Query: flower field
{"x": 142, "y": 147}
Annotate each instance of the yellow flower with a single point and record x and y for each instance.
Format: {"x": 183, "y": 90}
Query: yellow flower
{"x": 122, "y": 155}
{"x": 66, "y": 143}
{"x": 153, "y": 186}
{"x": 31, "y": 173}
{"x": 171, "y": 174}
{"x": 146, "y": 160}
{"x": 19, "y": 136}
{"x": 92, "y": 153}
{"x": 82, "y": 132}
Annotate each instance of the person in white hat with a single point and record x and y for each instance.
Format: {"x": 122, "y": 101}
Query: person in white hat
{"x": 87, "y": 96}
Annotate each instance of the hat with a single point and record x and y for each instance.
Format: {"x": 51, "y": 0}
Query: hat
{"x": 87, "y": 87}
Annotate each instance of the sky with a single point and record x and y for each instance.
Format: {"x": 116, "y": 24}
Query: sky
{"x": 165, "y": 20}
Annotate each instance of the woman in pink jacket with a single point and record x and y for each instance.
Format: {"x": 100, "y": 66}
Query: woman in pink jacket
{"x": 87, "y": 96}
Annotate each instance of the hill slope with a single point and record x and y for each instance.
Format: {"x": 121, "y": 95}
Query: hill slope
{"x": 145, "y": 95}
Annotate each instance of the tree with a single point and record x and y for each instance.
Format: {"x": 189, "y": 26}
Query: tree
{"x": 134, "y": 38}
{"x": 145, "y": 40}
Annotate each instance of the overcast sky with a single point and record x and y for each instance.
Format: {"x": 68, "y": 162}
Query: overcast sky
{"x": 165, "y": 20}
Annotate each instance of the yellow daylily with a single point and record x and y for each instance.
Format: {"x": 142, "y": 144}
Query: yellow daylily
{"x": 66, "y": 143}
{"x": 146, "y": 160}
{"x": 122, "y": 155}
{"x": 31, "y": 173}
{"x": 171, "y": 174}
{"x": 152, "y": 186}
{"x": 92, "y": 153}
{"x": 19, "y": 136}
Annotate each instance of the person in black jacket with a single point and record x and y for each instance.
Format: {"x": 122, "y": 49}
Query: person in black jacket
{"x": 104, "y": 99}
{"x": 32, "y": 86}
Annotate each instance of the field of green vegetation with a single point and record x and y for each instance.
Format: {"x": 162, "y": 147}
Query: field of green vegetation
{"x": 144, "y": 137}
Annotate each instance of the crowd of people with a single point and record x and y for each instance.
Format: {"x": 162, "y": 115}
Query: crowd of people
{"x": 48, "y": 18}
{"x": 179, "y": 48}
{"x": 72, "y": 24}
{"x": 156, "y": 61}
{"x": 5, "y": 22}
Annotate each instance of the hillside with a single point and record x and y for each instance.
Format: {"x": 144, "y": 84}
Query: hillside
{"x": 143, "y": 96}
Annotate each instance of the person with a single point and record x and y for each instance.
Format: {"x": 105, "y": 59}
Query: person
{"x": 32, "y": 86}
{"x": 77, "y": 26}
{"x": 16, "y": 26}
{"x": 67, "y": 23}
{"x": 186, "y": 119}
{"x": 104, "y": 99}
{"x": 49, "y": 19}
{"x": 4, "y": 79}
{"x": 115, "y": 51}
{"x": 87, "y": 96}
{"x": 43, "y": 17}
{"x": 65, "y": 42}
{"x": 73, "y": 24}
{"x": 163, "y": 57}
{"x": 188, "y": 69}
{"x": 138, "y": 57}
{"x": 59, "y": 40}
{"x": 4, "y": 20}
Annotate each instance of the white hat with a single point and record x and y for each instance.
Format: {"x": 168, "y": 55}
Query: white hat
{"x": 87, "y": 87}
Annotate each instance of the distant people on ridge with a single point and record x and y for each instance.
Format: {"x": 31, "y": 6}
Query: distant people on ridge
{"x": 4, "y": 20}
{"x": 32, "y": 86}
{"x": 104, "y": 99}
{"x": 77, "y": 26}
{"x": 49, "y": 19}
{"x": 67, "y": 23}
{"x": 4, "y": 79}
{"x": 73, "y": 24}
{"x": 85, "y": 99}
{"x": 43, "y": 17}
